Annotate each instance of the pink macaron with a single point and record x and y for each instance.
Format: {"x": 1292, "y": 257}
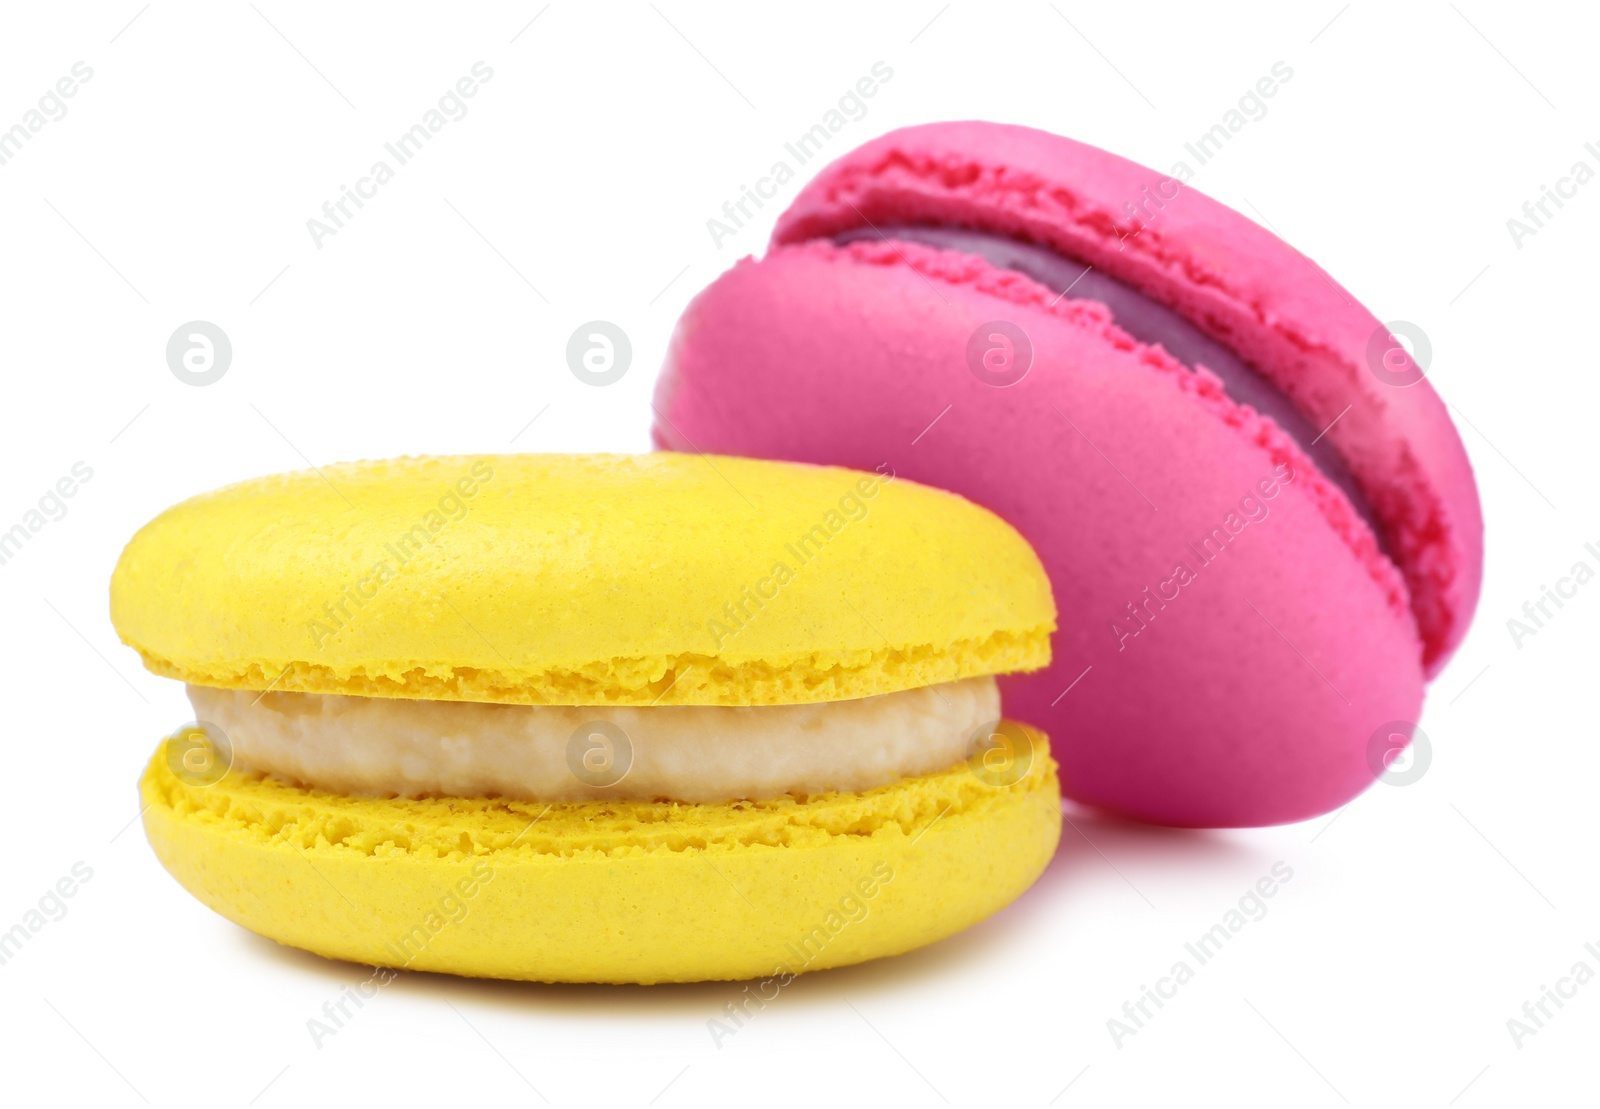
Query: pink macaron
{"x": 1260, "y": 524}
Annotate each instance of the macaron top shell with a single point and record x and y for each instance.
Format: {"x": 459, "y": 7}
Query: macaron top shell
{"x": 594, "y": 579}
{"x": 1235, "y": 280}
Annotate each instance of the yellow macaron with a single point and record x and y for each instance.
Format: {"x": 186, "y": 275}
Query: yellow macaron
{"x": 767, "y": 630}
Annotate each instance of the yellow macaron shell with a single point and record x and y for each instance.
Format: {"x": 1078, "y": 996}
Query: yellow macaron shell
{"x": 611, "y": 892}
{"x": 582, "y": 579}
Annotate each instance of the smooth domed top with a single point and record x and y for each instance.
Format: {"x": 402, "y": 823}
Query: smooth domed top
{"x": 582, "y": 579}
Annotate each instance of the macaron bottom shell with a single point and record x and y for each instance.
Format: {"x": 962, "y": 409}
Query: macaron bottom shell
{"x": 619, "y": 892}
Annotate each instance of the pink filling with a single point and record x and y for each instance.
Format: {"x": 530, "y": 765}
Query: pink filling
{"x": 1149, "y": 322}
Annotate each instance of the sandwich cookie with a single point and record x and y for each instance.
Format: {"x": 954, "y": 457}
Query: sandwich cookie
{"x": 1253, "y": 507}
{"x": 593, "y": 718}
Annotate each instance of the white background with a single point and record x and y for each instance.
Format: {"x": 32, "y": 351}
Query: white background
{"x": 177, "y": 187}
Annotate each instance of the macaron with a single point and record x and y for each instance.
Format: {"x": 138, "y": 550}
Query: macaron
{"x": 603, "y": 718}
{"x": 1259, "y": 521}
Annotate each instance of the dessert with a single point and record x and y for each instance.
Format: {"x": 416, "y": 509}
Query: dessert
{"x": 1257, "y": 516}
{"x": 593, "y": 718}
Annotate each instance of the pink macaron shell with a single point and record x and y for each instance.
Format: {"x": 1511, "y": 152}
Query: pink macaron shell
{"x": 1247, "y": 697}
{"x": 1237, "y": 281}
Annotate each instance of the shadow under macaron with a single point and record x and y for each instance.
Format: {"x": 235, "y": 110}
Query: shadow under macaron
{"x": 1092, "y": 846}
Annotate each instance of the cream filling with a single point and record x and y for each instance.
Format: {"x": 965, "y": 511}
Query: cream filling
{"x": 389, "y": 747}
